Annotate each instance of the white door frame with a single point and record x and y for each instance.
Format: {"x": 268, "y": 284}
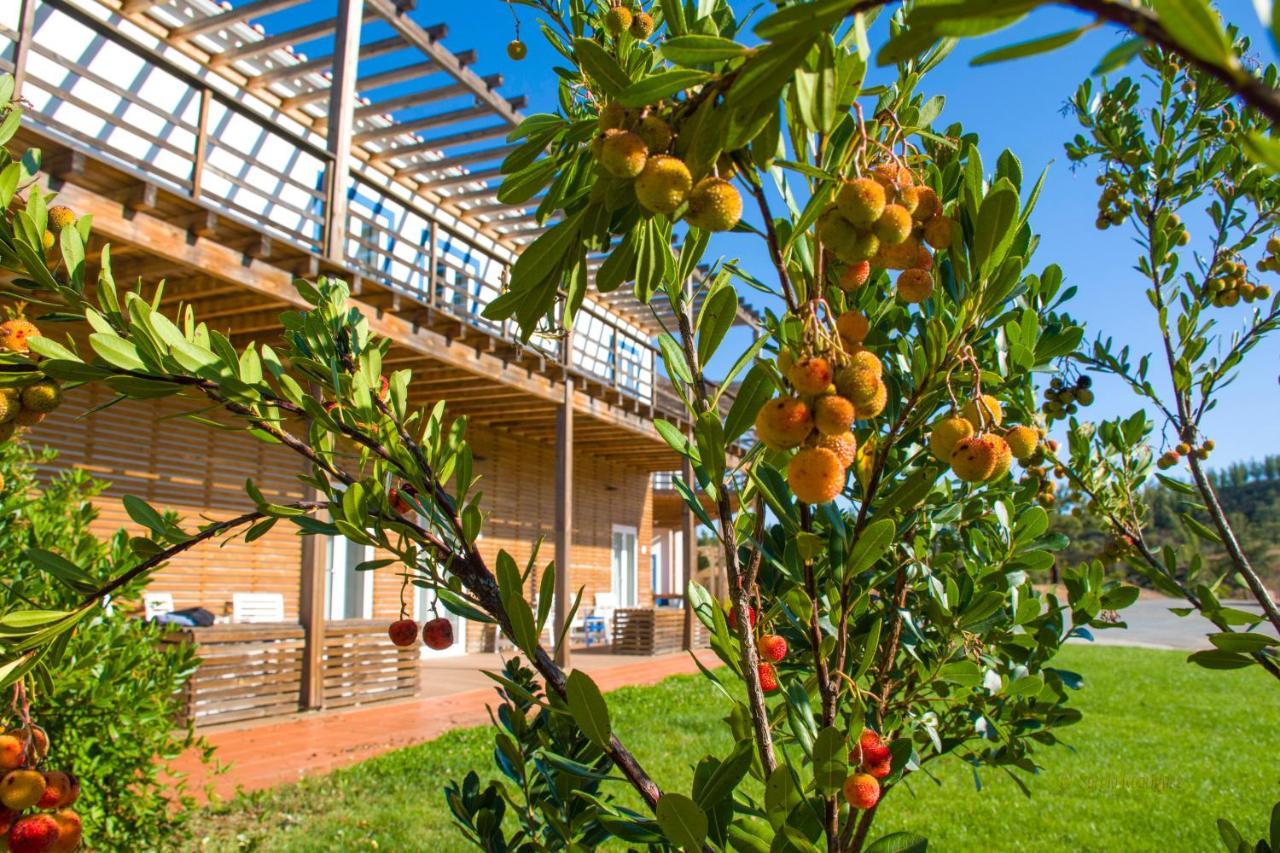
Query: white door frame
{"x": 336, "y": 592}
{"x": 632, "y": 598}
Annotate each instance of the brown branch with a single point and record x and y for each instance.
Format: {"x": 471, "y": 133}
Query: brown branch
{"x": 775, "y": 248}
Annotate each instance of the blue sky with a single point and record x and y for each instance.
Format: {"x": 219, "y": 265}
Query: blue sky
{"x": 1016, "y": 105}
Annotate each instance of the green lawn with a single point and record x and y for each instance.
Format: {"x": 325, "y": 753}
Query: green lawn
{"x": 1164, "y": 749}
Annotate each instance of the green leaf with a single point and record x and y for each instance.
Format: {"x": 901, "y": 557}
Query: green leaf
{"x": 764, "y": 75}
{"x": 1219, "y": 659}
{"x": 898, "y": 842}
{"x": 602, "y": 67}
{"x": 1119, "y": 56}
{"x": 700, "y": 49}
{"x": 673, "y": 358}
{"x": 523, "y": 185}
{"x": 116, "y": 351}
{"x": 1043, "y": 44}
{"x": 684, "y": 824}
{"x": 715, "y": 319}
{"x": 830, "y": 759}
{"x": 995, "y": 218}
{"x": 661, "y": 85}
{"x": 1263, "y": 150}
{"x": 754, "y": 392}
{"x": 1196, "y": 28}
{"x": 870, "y": 547}
{"x": 588, "y": 708}
{"x": 1235, "y": 641}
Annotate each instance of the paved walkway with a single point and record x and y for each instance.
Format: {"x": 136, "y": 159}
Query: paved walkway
{"x": 1151, "y": 624}
{"x": 455, "y": 694}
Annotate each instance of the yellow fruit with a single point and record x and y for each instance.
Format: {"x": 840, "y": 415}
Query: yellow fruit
{"x": 617, "y": 20}
{"x": 714, "y": 205}
{"x": 832, "y": 414}
{"x": 926, "y": 203}
{"x": 623, "y": 153}
{"x": 937, "y": 232}
{"x": 893, "y": 178}
{"x": 15, "y": 333}
{"x": 10, "y": 404}
{"x": 946, "y": 433}
{"x": 784, "y": 423}
{"x": 641, "y": 26}
{"x": 613, "y": 116}
{"x": 857, "y": 384}
{"x": 655, "y": 132}
{"x": 70, "y": 831}
{"x": 867, "y": 360}
{"x": 844, "y": 240}
{"x": 974, "y": 458}
{"x": 811, "y": 375}
{"x": 903, "y": 256}
{"x": 1004, "y": 457}
{"x": 516, "y": 50}
{"x": 894, "y": 225}
{"x": 924, "y": 260}
{"x": 815, "y": 475}
{"x": 861, "y": 201}
{"x": 853, "y": 327}
{"x": 1023, "y": 441}
{"x": 786, "y": 358}
{"x": 914, "y": 285}
{"x": 854, "y": 276}
{"x": 843, "y": 445}
{"x": 48, "y": 240}
{"x": 22, "y": 789}
{"x": 990, "y": 416}
{"x": 664, "y": 183}
{"x": 60, "y": 217}
{"x": 42, "y": 396}
{"x": 873, "y": 407}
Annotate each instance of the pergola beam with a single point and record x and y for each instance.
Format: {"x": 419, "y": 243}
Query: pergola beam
{"x": 342, "y": 93}
{"x": 230, "y": 18}
{"x": 483, "y": 155}
{"x": 322, "y": 63}
{"x": 425, "y": 123}
{"x": 306, "y": 33}
{"x": 564, "y": 521}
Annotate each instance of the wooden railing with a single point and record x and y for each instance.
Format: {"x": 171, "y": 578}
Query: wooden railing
{"x": 186, "y": 130}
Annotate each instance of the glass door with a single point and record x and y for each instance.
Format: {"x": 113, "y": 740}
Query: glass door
{"x": 624, "y": 565}
{"x": 348, "y": 594}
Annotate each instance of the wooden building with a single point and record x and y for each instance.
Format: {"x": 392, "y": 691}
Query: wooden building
{"x": 228, "y": 160}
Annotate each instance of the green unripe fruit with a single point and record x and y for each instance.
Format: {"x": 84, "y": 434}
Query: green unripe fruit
{"x": 10, "y": 404}
{"x": 655, "y": 132}
{"x": 613, "y": 116}
{"x": 516, "y": 50}
{"x": 623, "y": 154}
{"x": 861, "y": 201}
{"x": 664, "y": 184}
{"x": 43, "y": 396}
{"x": 894, "y": 225}
{"x": 844, "y": 240}
{"x": 714, "y": 205}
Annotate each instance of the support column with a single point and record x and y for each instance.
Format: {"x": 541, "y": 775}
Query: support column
{"x": 342, "y": 95}
{"x": 564, "y": 519}
{"x": 311, "y": 614}
{"x": 26, "y": 32}
{"x": 689, "y": 557}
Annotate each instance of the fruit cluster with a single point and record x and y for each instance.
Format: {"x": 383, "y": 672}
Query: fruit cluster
{"x": 24, "y": 405}
{"x": 1035, "y": 472}
{"x": 1061, "y": 400}
{"x": 35, "y": 813}
{"x": 1228, "y": 281}
{"x": 1182, "y": 450}
{"x": 623, "y": 19}
{"x": 1113, "y": 208}
{"x": 773, "y": 649}
{"x": 437, "y": 633}
{"x": 970, "y": 444}
{"x": 871, "y": 757}
{"x": 886, "y": 219}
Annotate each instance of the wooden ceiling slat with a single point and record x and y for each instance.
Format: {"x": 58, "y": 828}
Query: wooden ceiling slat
{"x": 425, "y": 123}
{"x": 323, "y": 63}
{"x": 300, "y": 35}
{"x": 483, "y": 155}
{"x": 231, "y": 17}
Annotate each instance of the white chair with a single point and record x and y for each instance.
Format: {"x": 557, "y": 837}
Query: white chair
{"x": 257, "y": 607}
{"x": 602, "y": 615}
{"x": 156, "y": 604}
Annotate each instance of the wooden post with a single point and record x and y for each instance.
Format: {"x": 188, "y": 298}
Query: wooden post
{"x": 26, "y": 32}
{"x": 342, "y": 95}
{"x": 311, "y": 614}
{"x": 564, "y": 519}
{"x": 202, "y": 144}
{"x": 689, "y": 542}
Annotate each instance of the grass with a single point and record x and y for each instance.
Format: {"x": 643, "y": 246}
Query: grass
{"x": 1164, "y": 750}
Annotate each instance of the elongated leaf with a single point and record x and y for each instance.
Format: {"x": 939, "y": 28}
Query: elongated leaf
{"x": 870, "y": 547}
{"x": 602, "y": 67}
{"x": 1031, "y": 47}
{"x": 754, "y": 392}
{"x": 661, "y": 85}
{"x": 830, "y": 759}
{"x": 684, "y": 824}
{"x": 714, "y": 321}
{"x": 1196, "y": 27}
{"x": 1234, "y": 641}
{"x": 700, "y": 49}
{"x": 588, "y": 708}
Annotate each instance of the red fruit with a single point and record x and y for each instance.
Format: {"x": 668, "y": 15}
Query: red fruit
{"x": 73, "y": 793}
{"x": 403, "y": 632}
{"x": 855, "y": 275}
{"x": 773, "y": 647}
{"x": 57, "y": 787}
{"x": 733, "y": 617}
{"x": 384, "y": 389}
{"x": 874, "y": 750}
{"x": 880, "y": 769}
{"x": 768, "y": 677}
{"x": 70, "y": 831}
{"x": 438, "y": 634}
{"x": 7, "y": 817}
{"x": 398, "y": 503}
{"x": 862, "y": 790}
{"x": 36, "y": 833}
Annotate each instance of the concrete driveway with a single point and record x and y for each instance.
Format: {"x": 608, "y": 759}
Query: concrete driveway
{"x": 1152, "y": 624}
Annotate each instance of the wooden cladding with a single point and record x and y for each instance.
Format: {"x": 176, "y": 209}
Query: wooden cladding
{"x": 654, "y": 631}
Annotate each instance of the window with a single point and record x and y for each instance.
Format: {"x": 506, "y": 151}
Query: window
{"x": 348, "y": 594}
{"x": 624, "y": 565}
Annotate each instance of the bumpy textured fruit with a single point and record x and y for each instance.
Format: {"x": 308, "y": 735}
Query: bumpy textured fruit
{"x": 1023, "y": 441}
{"x": 924, "y": 259}
{"x": 815, "y": 475}
{"x": 858, "y": 384}
{"x": 60, "y": 216}
{"x": 403, "y": 632}
{"x": 991, "y": 412}
{"x": 768, "y": 677}
{"x": 854, "y": 276}
{"x": 880, "y": 769}
{"x": 914, "y": 286}
{"x": 862, "y": 790}
{"x": 47, "y": 240}
{"x": 623, "y": 154}
{"x": 892, "y": 177}
{"x": 873, "y": 407}
{"x": 937, "y": 232}
{"x": 21, "y": 789}
{"x": 844, "y": 239}
{"x": 714, "y": 205}
{"x": 903, "y": 256}
{"x": 861, "y": 201}
{"x": 10, "y": 404}
{"x": 773, "y": 648}
{"x": 70, "y": 831}
{"x": 15, "y": 333}
{"x": 926, "y": 202}
{"x": 36, "y": 833}
{"x": 1004, "y": 456}
{"x": 42, "y": 396}
{"x": 664, "y": 184}
{"x": 516, "y": 50}
{"x": 874, "y": 750}
{"x": 833, "y": 414}
{"x": 853, "y": 327}
{"x": 641, "y": 26}
{"x": 894, "y": 225}
{"x": 10, "y": 752}
{"x": 811, "y": 375}
{"x": 843, "y": 445}
{"x": 438, "y": 634}
{"x": 57, "y": 785}
{"x": 866, "y": 360}
{"x": 655, "y": 132}
{"x": 613, "y": 116}
{"x": 733, "y": 617}
{"x": 617, "y": 20}
{"x": 945, "y": 434}
{"x": 784, "y": 423}
{"x": 974, "y": 458}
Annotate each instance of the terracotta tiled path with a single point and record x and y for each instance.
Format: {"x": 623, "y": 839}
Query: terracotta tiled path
{"x": 273, "y": 753}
